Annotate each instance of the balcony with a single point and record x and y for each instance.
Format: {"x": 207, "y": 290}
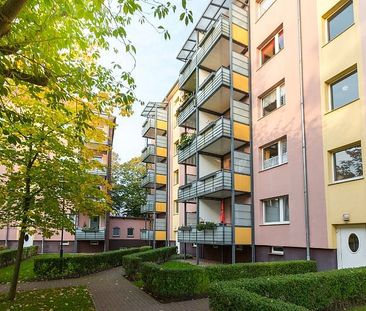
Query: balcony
{"x": 155, "y": 203}
{"x": 186, "y": 113}
{"x": 214, "y": 139}
{"x": 155, "y": 127}
{"x": 214, "y": 92}
{"x": 155, "y": 153}
{"x": 90, "y": 234}
{"x": 222, "y": 235}
{"x": 99, "y": 171}
{"x": 160, "y": 231}
{"x": 147, "y": 235}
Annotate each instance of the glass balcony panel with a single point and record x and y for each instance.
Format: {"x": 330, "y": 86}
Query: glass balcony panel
{"x": 90, "y": 235}
{"x": 222, "y": 235}
{"x": 187, "y": 115}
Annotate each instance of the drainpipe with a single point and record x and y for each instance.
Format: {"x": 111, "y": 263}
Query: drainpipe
{"x": 303, "y": 133}
{"x": 168, "y": 206}
{"x": 155, "y": 174}
{"x": 7, "y": 235}
{"x": 232, "y": 142}
{"x": 251, "y": 102}
{"x": 197, "y": 155}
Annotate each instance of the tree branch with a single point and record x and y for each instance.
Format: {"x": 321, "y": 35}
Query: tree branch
{"x": 9, "y": 50}
{"x": 16, "y": 74}
{"x": 8, "y": 12}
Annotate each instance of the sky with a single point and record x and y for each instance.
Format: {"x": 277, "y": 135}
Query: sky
{"x": 156, "y": 71}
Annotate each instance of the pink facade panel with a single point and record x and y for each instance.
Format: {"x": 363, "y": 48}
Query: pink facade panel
{"x": 123, "y": 224}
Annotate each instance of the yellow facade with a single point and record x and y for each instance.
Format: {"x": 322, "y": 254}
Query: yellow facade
{"x": 343, "y": 126}
{"x": 161, "y": 152}
{"x": 241, "y": 131}
{"x": 161, "y": 179}
{"x": 240, "y": 35}
{"x": 242, "y": 183}
{"x": 160, "y": 207}
{"x": 162, "y": 125}
{"x": 160, "y": 235}
{"x": 243, "y": 236}
{"x": 240, "y": 82}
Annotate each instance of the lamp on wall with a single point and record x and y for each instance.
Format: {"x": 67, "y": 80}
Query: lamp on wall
{"x": 346, "y": 217}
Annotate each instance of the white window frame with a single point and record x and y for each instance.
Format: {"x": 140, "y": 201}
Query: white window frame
{"x": 260, "y": 11}
{"x": 282, "y": 211}
{"x": 277, "y": 252}
{"x": 277, "y": 46}
{"x": 282, "y": 157}
{"x": 278, "y": 97}
{"x": 327, "y": 20}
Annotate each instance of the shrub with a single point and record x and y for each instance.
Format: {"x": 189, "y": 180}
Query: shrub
{"x": 228, "y": 298}
{"x": 132, "y": 263}
{"x": 332, "y": 290}
{"x": 184, "y": 283}
{"x": 8, "y": 256}
{"x": 76, "y": 266}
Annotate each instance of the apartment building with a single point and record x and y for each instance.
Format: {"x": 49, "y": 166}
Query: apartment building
{"x": 92, "y": 233}
{"x": 269, "y": 163}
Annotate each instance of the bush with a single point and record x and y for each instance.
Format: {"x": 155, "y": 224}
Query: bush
{"x": 132, "y": 263}
{"x": 8, "y": 256}
{"x": 332, "y": 290}
{"x": 194, "y": 281}
{"x": 76, "y": 266}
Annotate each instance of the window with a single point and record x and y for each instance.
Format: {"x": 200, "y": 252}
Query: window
{"x": 98, "y": 158}
{"x": 263, "y": 6}
{"x": 275, "y": 45}
{"x": 273, "y": 100}
{"x": 348, "y": 163}
{"x": 340, "y": 21}
{"x": 353, "y": 243}
{"x": 130, "y": 232}
{"x": 176, "y": 177}
{"x": 275, "y": 154}
{"x": 344, "y": 90}
{"x": 116, "y": 231}
{"x": 176, "y": 147}
{"x": 276, "y": 210}
{"x": 276, "y": 250}
{"x": 176, "y": 207}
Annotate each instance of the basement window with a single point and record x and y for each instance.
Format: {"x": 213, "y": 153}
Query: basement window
{"x": 277, "y": 250}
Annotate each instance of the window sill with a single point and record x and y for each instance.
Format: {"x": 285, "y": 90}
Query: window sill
{"x": 285, "y": 223}
{"x": 345, "y": 105}
{"x": 345, "y": 181}
{"x": 130, "y": 237}
{"x": 268, "y": 61}
{"x": 273, "y": 111}
{"x": 275, "y": 254}
{"x": 272, "y": 167}
{"x": 330, "y": 41}
{"x": 115, "y": 236}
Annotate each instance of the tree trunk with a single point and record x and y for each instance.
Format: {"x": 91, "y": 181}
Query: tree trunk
{"x": 14, "y": 282}
{"x": 8, "y": 12}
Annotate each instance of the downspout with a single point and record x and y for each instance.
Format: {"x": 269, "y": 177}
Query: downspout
{"x": 303, "y": 133}
{"x": 197, "y": 155}
{"x": 7, "y": 235}
{"x": 169, "y": 206}
{"x": 251, "y": 140}
{"x": 232, "y": 142}
{"x": 155, "y": 173}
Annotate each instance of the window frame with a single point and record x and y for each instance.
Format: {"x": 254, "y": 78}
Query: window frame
{"x": 334, "y": 15}
{"x": 176, "y": 207}
{"x": 133, "y": 232}
{"x": 260, "y": 13}
{"x": 119, "y": 232}
{"x": 280, "y": 144}
{"x": 337, "y": 80}
{"x": 277, "y": 252}
{"x": 176, "y": 177}
{"x": 282, "y": 210}
{"x": 276, "y": 89}
{"x": 276, "y": 46}
{"x": 333, "y": 159}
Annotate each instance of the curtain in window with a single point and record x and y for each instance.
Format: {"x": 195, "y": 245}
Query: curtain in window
{"x": 272, "y": 210}
{"x": 269, "y": 99}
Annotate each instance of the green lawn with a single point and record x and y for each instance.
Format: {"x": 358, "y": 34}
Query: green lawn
{"x": 359, "y": 309}
{"x": 178, "y": 265}
{"x": 60, "y": 299}
{"x": 26, "y": 269}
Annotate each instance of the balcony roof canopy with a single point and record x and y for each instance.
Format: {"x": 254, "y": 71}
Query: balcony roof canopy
{"x": 151, "y": 107}
{"x": 214, "y": 9}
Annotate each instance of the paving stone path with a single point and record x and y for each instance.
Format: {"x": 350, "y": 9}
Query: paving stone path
{"x": 112, "y": 292}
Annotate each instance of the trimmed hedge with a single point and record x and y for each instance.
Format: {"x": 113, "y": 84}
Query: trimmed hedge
{"x": 332, "y": 290}
{"x": 8, "y": 256}
{"x": 132, "y": 263}
{"x": 168, "y": 283}
{"x": 76, "y": 266}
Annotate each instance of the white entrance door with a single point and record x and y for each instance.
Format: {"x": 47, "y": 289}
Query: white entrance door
{"x": 351, "y": 251}
{"x": 28, "y": 240}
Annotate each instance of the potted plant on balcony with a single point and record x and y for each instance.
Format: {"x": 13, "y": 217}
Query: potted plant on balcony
{"x": 206, "y": 226}
{"x": 185, "y": 228}
{"x": 185, "y": 140}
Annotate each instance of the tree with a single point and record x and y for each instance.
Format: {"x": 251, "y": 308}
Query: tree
{"x": 55, "y": 47}
{"x": 47, "y": 162}
{"x": 127, "y": 194}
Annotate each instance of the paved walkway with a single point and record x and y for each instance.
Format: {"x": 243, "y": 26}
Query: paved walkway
{"x": 112, "y": 292}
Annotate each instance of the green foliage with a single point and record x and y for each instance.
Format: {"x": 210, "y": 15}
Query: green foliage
{"x": 70, "y": 267}
{"x": 206, "y": 226}
{"x": 8, "y": 256}
{"x": 185, "y": 140}
{"x": 227, "y": 298}
{"x": 332, "y": 290}
{"x": 60, "y": 299}
{"x": 127, "y": 194}
{"x": 132, "y": 263}
{"x": 193, "y": 281}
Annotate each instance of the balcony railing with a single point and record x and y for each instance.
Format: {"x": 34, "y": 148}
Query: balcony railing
{"x": 90, "y": 234}
{"x": 151, "y": 202}
{"x": 146, "y": 235}
{"x": 186, "y": 111}
{"x": 212, "y": 84}
{"x": 275, "y": 161}
{"x": 150, "y": 124}
{"x": 149, "y": 179}
{"x": 222, "y": 235}
{"x": 99, "y": 171}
